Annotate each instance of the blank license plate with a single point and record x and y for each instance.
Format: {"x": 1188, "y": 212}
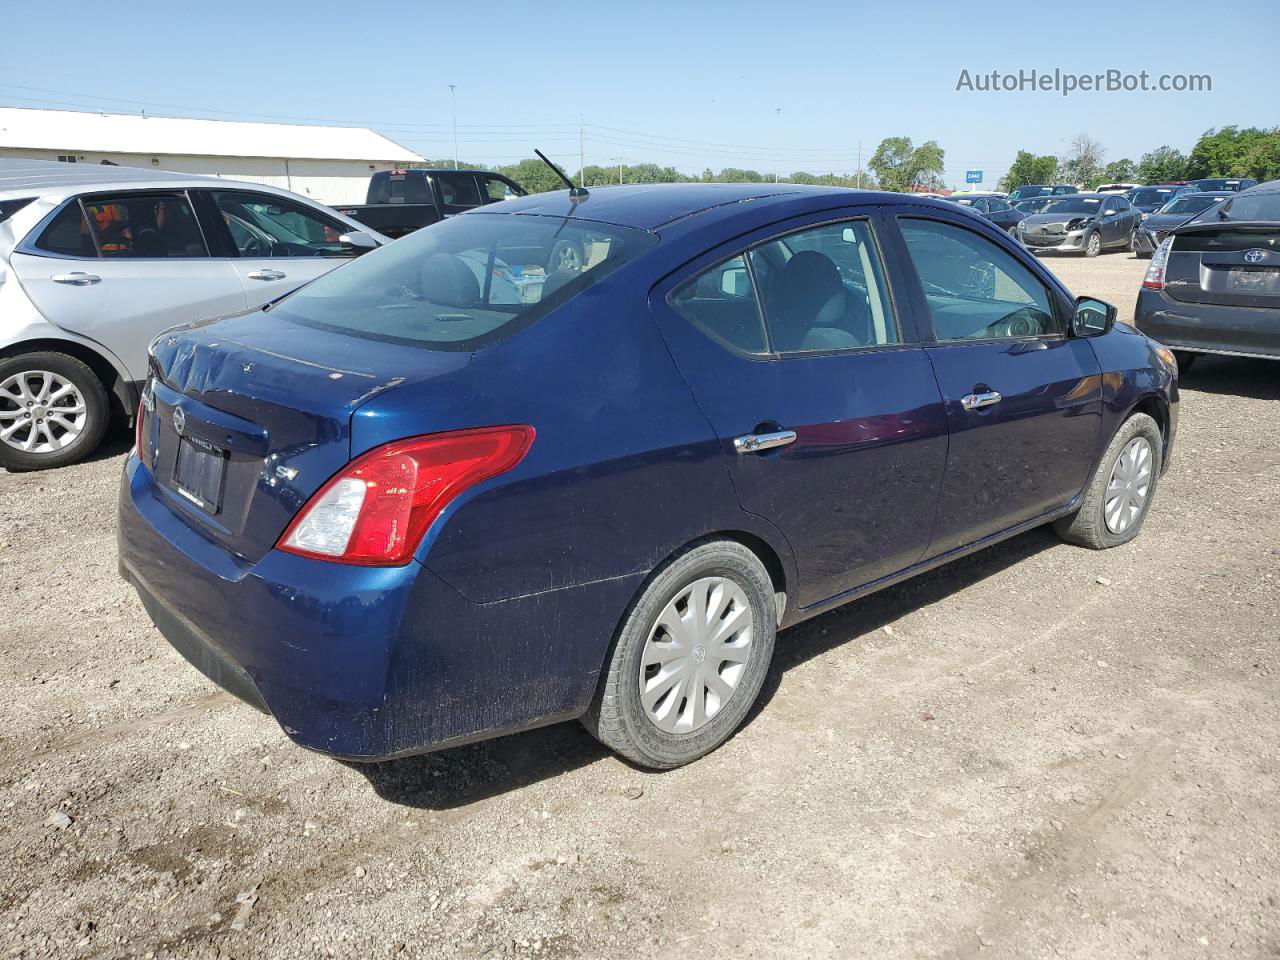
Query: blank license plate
{"x": 1263, "y": 281}
{"x": 198, "y": 474}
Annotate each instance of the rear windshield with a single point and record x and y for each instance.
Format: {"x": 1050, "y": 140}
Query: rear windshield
{"x": 1152, "y": 196}
{"x": 1218, "y": 184}
{"x": 1189, "y": 204}
{"x": 466, "y": 282}
{"x": 9, "y": 207}
{"x": 1070, "y": 204}
{"x": 1247, "y": 206}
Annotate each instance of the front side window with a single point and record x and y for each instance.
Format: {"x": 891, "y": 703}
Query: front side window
{"x": 975, "y": 289}
{"x": 262, "y": 225}
{"x": 496, "y": 190}
{"x": 467, "y": 282}
{"x": 824, "y": 289}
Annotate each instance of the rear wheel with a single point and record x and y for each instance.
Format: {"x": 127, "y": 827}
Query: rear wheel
{"x": 1120, "y": 494}
{"x": 53, "y": 411}
{"x": 689, "y": 658}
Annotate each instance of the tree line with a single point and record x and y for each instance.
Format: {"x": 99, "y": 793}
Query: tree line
{"x": 898, "y": 164}
{"x": 1226, "y": 152}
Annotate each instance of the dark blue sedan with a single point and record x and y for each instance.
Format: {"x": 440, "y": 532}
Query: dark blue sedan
{"x": 458, "y": 488}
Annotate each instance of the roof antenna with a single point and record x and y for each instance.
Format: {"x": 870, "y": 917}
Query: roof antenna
{"x": 576, "y": 194}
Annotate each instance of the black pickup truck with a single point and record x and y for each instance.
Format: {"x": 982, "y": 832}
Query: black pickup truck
{"x": 402, "y": 201}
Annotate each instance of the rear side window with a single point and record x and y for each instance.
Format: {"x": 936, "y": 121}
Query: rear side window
{"x": 146, "y": 226}
{"x": 976, "y": 290}
{"x": 68, "y": 234}
{"x": 467, "y": 282}
{"x": 9, "y": 207}
{"x": 721, "y": 303}
{"x": 824, "y": 289}
{"x": 458, "y": 190}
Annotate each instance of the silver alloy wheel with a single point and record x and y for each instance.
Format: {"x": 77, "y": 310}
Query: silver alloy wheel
{"x": 1095, "y": 243}
{"x": 696, "y": 654}
{"x": 41, "y": 412}
{"x": 1128, "y": 486}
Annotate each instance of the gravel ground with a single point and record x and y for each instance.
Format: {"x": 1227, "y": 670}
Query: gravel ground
{"x": 1039, "y": 751}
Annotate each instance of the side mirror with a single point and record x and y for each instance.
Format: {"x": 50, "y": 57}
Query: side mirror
{"x": 1092, "y": 318}
{"x": 359, "y": 242}
{"x": 735, "y": 283}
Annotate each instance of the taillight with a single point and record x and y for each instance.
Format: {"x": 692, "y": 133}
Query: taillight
{"x": 1154, "y": 280}
{"x": 377, "y": 509}
{"x": 146, "y": 403}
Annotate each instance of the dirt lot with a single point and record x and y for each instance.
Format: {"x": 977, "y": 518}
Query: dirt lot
{"x": 1037, "y": 752}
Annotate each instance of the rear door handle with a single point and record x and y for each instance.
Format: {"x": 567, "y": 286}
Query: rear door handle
{"x": 755, "y": 442}
{"x": 974, "y": 401}
{"x": 266, "y": 275}
{"x": 76, "y": 278}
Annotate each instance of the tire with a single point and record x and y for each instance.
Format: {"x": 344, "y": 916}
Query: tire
{"x": 618, "y": 717}
{"x": 1142, "y": 254}
{"x": 566, "y": 255}
{"x": 66, "y": 436}
{"x": 1093, "y": 244}
{"x": 1088, "y": 526}
{"x": 1185, "y": 360}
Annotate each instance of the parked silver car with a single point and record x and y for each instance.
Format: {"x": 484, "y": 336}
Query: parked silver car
{"x": 95, "y": 261}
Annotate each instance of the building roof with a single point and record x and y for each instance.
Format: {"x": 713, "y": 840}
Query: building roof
{"x": 132, "y": 133}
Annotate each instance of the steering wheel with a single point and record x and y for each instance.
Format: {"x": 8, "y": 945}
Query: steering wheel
{"x": 1023, "y": 322}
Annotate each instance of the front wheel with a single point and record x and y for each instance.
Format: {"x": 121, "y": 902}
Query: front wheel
{"x": 1119, "y": 495}
{"x": 53, "y": 411}
{"x": 689, "y": 658}
{"x": 1093, "y": 244}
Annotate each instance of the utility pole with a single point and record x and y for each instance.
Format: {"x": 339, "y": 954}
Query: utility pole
{"x": 859, "y": 164}
{"x": 453, "y": 98}
{"x": 582, "y": 157}
{"x": 778, "y": 112}
{"x": 619, "y": 160}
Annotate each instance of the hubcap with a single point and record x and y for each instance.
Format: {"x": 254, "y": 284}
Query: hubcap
{"x": 696, "y": 655}
{"x": 40, "y": 412}
{"x": 1129, "y": 486}
{"x": 1094, "y": 242}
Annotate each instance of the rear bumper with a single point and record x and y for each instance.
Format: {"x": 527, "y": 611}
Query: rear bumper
{"x": 1208, "y": 327}
{"x": 359, "y": 662}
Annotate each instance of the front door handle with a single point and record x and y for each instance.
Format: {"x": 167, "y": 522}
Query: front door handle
{"x": 974, "y": 401}
{"x": 76, "y": 278}
{"x": 266, "y": 275}
{"x": 755, "y": 442}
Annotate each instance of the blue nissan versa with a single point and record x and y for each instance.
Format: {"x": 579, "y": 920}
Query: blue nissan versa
{"x": 447, "y": 492}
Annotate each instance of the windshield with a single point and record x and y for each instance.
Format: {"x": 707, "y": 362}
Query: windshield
{"x": 1023, "y": 193}
{"x": 1246, "y": 206}
{"x": 465, "y": 282}
{"x": 9, "y": 207}
{"x": 1152, "y": 196}
{"x": 1189, "y": 205}
{"x": 1034, "y": 205}
{"x": 1074, "y": 204}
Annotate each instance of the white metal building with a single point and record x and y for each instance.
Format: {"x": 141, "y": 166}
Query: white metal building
{"x": 329, "y": 164}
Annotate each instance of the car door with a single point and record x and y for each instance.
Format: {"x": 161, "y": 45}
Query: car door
{"x": 1112, "y": 226}
{"x": 1130, "y": 218}
{"x": 117, "y": 268}
{"x": 826, "y": 407}
{"x": 275, "y": 244}
{"x": 458, "y": 192}
{"x": 1023, "y": 399}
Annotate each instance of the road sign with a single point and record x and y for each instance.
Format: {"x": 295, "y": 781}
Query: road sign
{"x": 973, "y": 176}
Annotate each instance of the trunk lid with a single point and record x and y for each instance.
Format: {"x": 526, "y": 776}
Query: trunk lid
{"x": 1225, "y": 263}
{"x": 251, "y": 414}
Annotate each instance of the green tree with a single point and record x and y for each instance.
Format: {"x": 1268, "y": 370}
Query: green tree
{"x": 534, "y": 175}
{"x": 1027, "y": 168}
{"x": 1119, "y": 171}
{"x": 1232, "y": 152}
{"x": 899, "y": 165}
{"x": 1162, "y": 164}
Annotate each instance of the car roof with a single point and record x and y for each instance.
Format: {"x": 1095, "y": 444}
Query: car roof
{"x": 27, "y": 178}
{"x": 653, "y": 205}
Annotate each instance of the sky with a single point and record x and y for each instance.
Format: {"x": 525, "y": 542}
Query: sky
{"x": 768, "y": 86}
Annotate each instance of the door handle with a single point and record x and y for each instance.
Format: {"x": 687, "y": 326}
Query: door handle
{"x": 76, "y": 278}
{"x": 974, "y": 401}
{"x": 266, "y": 275}
{"x": 755, "y": 442}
